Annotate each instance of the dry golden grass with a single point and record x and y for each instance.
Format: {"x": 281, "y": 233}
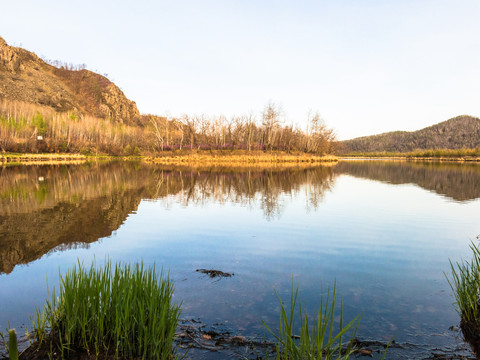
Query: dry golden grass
{"x": 44, "y": 159}
{"x": 412, "y": 159}
{"x": 242, "y": 159}
{"x": 432, "y": 154}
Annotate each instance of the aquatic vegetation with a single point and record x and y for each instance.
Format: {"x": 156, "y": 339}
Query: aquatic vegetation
{"x": 321, "y": 339}
{"x": 120, "y": 310}
{"x": 465, "y": 283}
{"x": 12, "y": 345}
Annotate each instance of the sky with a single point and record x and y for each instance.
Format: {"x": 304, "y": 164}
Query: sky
{"x": 367, "y": 66}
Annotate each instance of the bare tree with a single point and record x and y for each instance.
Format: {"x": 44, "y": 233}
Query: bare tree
{"x": 159, "y": 135}
{"x": 319, "y": 137}
{"x": 270, "y": 123}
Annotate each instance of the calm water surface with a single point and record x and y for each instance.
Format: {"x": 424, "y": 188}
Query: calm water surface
{"x": 383, "y": 231}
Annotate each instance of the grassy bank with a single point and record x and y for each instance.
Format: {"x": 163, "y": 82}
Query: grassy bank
{"x": 238, "y": 158}
{"x": 185, "y": 157}
{"x": 11, "y": 159}
{"x": 432, "y": 154}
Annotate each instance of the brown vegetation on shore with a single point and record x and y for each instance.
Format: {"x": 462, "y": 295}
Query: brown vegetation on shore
{"x": 429, "y": 154}
{"x": 240, "y": 158}
{"x": 29, "y": 128}
{"x": 44, "y": 159}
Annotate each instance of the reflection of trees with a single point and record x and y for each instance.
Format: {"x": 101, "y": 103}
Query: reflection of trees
{"x": 457, "y": 181}
{"x": 24, "y": 189}
{"x": 54, "y": 208}
{"x": 263, "y": 188}
{"x": 316, "y": 188}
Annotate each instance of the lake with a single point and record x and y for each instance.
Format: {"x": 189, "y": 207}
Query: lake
{"x": 383, "y": 232}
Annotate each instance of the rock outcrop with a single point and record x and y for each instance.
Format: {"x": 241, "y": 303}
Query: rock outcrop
{"x": 26, "y": 77}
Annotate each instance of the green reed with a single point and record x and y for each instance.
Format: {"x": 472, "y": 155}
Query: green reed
{"x": 465, "y": 283}
{"x": 125, "y": 310}
{"x": 12, "y": 346}
{"x": 319, "y": 339}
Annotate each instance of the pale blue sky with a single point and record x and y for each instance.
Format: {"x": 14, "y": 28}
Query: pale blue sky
{"x": 368, "y": 66}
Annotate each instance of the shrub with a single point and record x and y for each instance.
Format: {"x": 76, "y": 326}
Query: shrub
{"x": 39, "y": 122}
{"x": 127, "y": 150}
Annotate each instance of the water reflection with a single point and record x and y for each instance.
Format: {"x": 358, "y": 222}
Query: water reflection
{"x": 59, "y": 207}
{"x": 248, "y": 187}
{"x": 457, "y": 181}
{"x": 42, "y": 208}
{"x": 316, "y": 225}
{"x": 53, "y": 208}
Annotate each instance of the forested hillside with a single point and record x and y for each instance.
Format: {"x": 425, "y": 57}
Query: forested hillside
{"x": 457, "y": 133}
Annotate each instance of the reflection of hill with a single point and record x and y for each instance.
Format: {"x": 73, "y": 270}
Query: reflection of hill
{"x": 28, "y": 236}
{"x": 71, "y": 205}
{"x": 457, "y": 181}
{"x": 58, "y": 207}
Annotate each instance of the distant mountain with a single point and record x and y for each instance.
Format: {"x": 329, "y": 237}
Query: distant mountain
{"x": 460, "y": 132}
{"x": 25, "y": 77}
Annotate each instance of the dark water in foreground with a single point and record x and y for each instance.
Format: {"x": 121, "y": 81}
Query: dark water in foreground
{"x": 383, "y": 231}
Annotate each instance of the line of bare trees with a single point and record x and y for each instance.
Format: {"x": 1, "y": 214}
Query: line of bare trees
{"x": 245, "y": 132}
{"x": 30, "y": 128}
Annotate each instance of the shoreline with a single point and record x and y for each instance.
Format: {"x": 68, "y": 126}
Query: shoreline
{"x": 412, "y": 158}
{"x": 240, "y": 159}
{"x": 206, "y": 158}
{"x": 217, "y": 158}
{"x": 11, "y": 159}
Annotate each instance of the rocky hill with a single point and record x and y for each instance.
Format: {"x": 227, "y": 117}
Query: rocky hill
{"x": 25, "y": 77}
{"x": 457, "y": 133}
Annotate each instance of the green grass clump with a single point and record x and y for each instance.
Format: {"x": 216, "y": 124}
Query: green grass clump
{"x": 319, "y": 339}
{"x": 122, "y": 310}
{"x": 465, "y": 283}
{"x": 12, "y": 345}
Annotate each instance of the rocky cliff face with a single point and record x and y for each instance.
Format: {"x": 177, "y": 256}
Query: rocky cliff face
{"x": 26, "y": 77}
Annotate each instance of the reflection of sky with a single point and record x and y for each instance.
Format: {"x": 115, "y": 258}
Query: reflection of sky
{"x": 385, "y": 245}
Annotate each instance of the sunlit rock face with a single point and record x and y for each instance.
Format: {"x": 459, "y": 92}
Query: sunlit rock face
{"x": 27, "y": 78}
